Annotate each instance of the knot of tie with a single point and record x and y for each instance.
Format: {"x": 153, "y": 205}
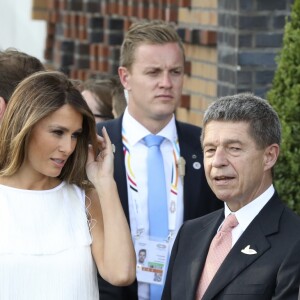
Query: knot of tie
{"x": 153, "y": 140}
{"x": 229, "y": 223}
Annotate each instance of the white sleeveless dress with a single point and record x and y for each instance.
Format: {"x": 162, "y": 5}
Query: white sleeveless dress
{"x": 45, "y": 251}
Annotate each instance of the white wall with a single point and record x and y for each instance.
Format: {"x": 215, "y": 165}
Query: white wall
{"x": 18, "y": 30}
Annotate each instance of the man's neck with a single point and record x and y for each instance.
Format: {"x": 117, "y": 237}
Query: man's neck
{"x": 153, "y": 125}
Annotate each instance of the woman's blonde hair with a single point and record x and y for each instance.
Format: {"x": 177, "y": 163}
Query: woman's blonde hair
{"x": 35, "y": 98}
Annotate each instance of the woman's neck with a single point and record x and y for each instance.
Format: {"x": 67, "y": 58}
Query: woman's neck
{"x": 21, "y": 182}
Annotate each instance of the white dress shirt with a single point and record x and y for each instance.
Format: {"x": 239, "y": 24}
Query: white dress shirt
{"x": 246, "y": 214}
{"x": 134, "y": 133}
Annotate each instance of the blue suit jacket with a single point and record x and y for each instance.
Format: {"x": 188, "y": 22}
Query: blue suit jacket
{"x": 272, "y": 273}
{"x": 198, "y": 197}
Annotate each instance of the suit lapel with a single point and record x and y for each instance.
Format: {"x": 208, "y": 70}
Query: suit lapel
{"x": 190, "y": 150}
{"x": 197, "y": 196}
{"x": 265, "y": 223}
{"x": 236, "y": 261}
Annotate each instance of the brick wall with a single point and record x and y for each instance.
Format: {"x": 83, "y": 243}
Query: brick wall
{"x": 230, "y": 44}
{"x": 249, "y": 38}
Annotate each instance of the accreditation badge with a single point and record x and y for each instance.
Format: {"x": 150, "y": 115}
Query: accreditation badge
{"x": 152, "y": 258}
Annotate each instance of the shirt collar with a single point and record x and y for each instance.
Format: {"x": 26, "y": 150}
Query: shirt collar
{"x": 135, "y": 131}
{"x": 246, "y": 214}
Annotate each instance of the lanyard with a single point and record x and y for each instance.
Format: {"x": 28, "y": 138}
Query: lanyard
{"x": 133, "y": 188}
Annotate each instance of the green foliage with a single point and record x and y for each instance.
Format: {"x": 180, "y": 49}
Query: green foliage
{"x": 285, "y": 98}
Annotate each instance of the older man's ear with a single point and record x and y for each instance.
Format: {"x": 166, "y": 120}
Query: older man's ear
{"x": 271, "y": 156}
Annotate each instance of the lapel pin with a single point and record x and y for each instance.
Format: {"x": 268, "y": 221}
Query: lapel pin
{"x": 196, "y": 165}
{"x": 248, "y": 251}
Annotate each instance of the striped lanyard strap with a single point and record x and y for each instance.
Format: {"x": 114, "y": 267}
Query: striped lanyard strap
{"x": 133, "y": 188}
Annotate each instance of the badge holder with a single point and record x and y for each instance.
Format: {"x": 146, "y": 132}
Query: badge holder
{"x": 152, "y": 257}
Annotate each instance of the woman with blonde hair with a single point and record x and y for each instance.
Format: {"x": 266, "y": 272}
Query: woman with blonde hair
{"x": 60, "y": 215}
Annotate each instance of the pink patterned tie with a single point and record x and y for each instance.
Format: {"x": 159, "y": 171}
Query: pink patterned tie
{"x": 218, "y": 250}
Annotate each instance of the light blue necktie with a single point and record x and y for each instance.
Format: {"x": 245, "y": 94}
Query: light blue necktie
{"x": 157, "y": 198}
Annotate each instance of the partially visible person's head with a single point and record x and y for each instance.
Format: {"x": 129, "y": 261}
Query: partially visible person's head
{"x": 14, "y": 67}
{"x": 98, "y": 95}
{"x": 78, "y": 83}
{"x": 240, "y": 138}
{"x": 152, "y": 71}
{"x": 119, "y": 101}
{"x": 38, "y": 97}
{"x": 142, "y": 256}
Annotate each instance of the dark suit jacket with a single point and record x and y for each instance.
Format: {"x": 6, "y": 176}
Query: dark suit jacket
{"x": 272, "y": 273}
{"x": 198, "y": 197}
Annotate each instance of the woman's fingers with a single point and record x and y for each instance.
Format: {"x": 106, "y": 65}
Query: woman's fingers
{"x": 107, "y": 142}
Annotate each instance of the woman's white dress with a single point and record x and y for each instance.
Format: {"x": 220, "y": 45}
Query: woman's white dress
{"x": 45, "y": 245}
